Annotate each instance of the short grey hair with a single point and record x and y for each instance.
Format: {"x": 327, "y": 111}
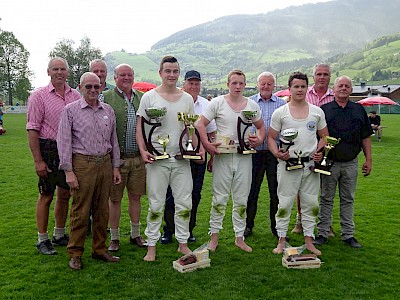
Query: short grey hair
{"x": 323, "y": 65}
{"x": 122, "y": 65}
{"x": 96, "y": 61}
{"x": 87, "y": 74}
{"x": 57, "y": 58}
{"x": 266, "y": 74}
{"x": 344, "y": 77}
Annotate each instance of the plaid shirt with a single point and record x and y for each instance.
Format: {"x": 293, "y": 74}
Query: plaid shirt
{"x": 130, "y": 135}
{"x": 267, "y": 108}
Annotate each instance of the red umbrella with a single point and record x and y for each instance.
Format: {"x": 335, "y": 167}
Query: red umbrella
{"x": 282, "y": 93}
{"x": 377, "y": 101}
{"x": 143, "y": 86}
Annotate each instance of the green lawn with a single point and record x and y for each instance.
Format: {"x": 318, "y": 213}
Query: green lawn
{"x": 368, "y": 273}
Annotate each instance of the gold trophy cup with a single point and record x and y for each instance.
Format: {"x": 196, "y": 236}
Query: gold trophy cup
{"x": 325, "y": 165}
{"x": 246, "y": 119}
{"x": 188, "y": 120}
{"x": 156, "y": 114}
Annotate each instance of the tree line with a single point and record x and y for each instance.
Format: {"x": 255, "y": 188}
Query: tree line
{"x": 15, "y": 75}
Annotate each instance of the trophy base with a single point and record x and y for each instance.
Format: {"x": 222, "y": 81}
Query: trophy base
{"x": 251, "y": 151}
{"x": 194, "y": 157}
{"x": 294, "y": 167}
{"x": 321, "y": 171}
{"x": 164, "y": 156}
{"x": 227, "y": 149}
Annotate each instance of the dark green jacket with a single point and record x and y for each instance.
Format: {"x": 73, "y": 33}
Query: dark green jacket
{"x": 116, "y": 100}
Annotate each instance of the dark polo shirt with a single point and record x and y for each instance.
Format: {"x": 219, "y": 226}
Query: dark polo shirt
{"x": 350, "y": 124}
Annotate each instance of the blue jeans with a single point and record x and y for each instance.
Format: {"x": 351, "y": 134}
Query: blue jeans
{"x": 198, "y": 172}
{"x": 263, "y": 163}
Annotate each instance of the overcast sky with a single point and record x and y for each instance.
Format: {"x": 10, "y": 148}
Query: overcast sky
{"x": 133, "y": 25}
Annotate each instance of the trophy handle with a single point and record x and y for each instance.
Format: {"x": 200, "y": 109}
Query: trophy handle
{"x": 242, "y": 144}
{"x": 196, "y": 132}
{"x": 147, "y": 141}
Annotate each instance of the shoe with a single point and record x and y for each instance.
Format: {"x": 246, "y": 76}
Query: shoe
{"x": 352, "y": 242}
{"x": 319, "y": 240}
{"x": 298, "y": 228}
{"x": 107, "y": 257}
{"x": 331, "y": 232}
{"x": 62, "y": 241}
{"x": 192, "y": 238}
{"x": 114, "y": 246}
{"x": 75, "y": 263}
{"x": 138, "y": 241}
{"x": 248, "y": 232}
{"x": 46, "y": 248}
{"x": 166, "y": 238}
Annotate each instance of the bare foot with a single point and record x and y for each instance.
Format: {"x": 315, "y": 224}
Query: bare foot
{"x": 184, "y": 249}
{"x": 151, "y": 254}
{"x": 239, "y": 242}
{"x": 213, "y": 243}
{"x": 308, "y": 240}
{"x": 279, "y": 248}
{"x": 311, "y": 247}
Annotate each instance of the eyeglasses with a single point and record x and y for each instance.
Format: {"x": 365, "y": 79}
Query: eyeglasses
{"x": 90, "y": 86}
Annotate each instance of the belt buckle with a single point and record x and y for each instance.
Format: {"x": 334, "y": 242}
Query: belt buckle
{"x": 99, "y": 159}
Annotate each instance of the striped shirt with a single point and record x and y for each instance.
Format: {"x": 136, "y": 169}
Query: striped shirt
{"x": 44, "y": 109}
{"x": 130, "y": 134}
{"x": 88, "y": 131}
{"x": 312, "y": 97}
{"x": 267, "y": 108}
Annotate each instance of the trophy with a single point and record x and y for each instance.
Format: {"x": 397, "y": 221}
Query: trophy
{"x": 287, "y": 137}
{"x": 188, "y": 120}
{"x": 247, "y": 116}
{"x": 286, "y": 140}
{"x": 156, "y": 114}
{"x": 324, "y": 166}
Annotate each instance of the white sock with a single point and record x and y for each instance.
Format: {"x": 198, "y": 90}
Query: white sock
{"x": 135, "y": 230}
{"x": 58, "y": 232}
{"x": 43, "y": 237}
{"x": 114, "y": 234}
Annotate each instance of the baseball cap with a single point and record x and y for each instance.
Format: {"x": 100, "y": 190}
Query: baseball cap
{"x": 192, "y": 74}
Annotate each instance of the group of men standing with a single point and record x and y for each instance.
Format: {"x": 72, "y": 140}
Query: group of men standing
{"x": 90, "y": 145}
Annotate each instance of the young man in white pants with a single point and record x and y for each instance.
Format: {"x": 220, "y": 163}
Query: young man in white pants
{"x": 231, "y": 171}
{"x": 308, "y": 119}
{"x": 166, "y": 172}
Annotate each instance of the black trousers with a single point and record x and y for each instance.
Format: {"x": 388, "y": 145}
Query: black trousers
{"x": 263, "y": 163}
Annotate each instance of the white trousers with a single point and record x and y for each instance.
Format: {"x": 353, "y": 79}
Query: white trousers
{"x": 307, "y": 184}
{"x": 231, "y": 174}
{"x": 160, "y": 175}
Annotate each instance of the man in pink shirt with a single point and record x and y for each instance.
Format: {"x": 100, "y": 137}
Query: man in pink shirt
{"x": 89, "y": 155}
{"x": 44, "y": 111}
{"x": 318, "y": 94}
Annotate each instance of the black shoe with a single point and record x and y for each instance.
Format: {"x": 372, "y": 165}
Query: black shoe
{"x": 247, "y": 232}
{"x": 352, "y": 242}
{"x": 166, "y": 238}
{"x": 192, "y": 238}
{"x": 46, "y": 248}
{"x": 319, "y": 240}
{"x": 62, "y": 241}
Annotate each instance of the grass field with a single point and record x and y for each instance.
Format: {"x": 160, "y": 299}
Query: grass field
{"x": 368, "y": 273}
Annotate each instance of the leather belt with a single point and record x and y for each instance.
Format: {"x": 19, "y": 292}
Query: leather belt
{"x": 130, "y": 155}
{"x": 302, "y": 159}
{"x": 94, "y": 158}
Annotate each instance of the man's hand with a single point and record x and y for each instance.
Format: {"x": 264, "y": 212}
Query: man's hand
{"x": 282, "y": 155}
{"x": 41, "y": 168}
{"x": 71, "y": 179}
{"x": 367, "y": 168}
{"x": 202, "y": 160}
{"x": 212, "y": 148}
{"x": 147, "y": 157}
{"x": 210, "y": 164}
{"x": 254, "y": 141}
{"x": 116, "y": 176}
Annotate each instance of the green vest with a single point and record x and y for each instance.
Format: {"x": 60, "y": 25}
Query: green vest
{"x": 116, "y": 100}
